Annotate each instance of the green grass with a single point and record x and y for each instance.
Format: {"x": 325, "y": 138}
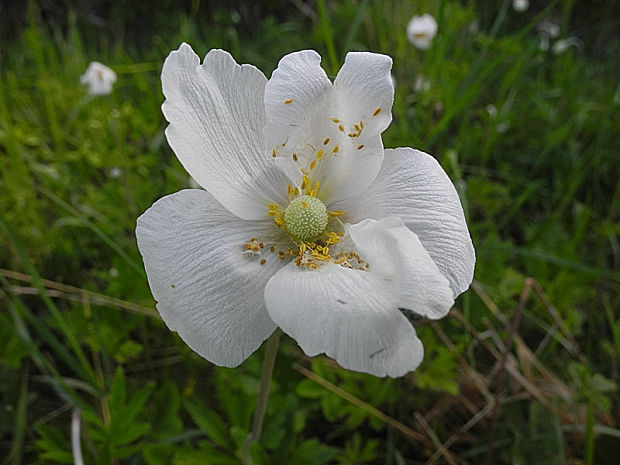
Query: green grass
{"x": 538, "y": 178}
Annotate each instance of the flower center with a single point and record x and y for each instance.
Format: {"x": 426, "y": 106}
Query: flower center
{"x": 306, "y": 217}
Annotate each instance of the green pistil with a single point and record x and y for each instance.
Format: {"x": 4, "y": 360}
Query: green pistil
{"x": 305, "y": 217}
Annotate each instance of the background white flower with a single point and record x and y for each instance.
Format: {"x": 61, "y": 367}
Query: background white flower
{"x": 520, "y": 5}
{"x": 115, "y": 172}
{"x": 421, "y": 84}
{"x": 547, "y": 31}
{"x": 563, "y": 45}
{"x": 491, "y": 110}
{"x": 421, "y": 30}
{"x": 304, "y": 222}
{"x": 98, "y": 79}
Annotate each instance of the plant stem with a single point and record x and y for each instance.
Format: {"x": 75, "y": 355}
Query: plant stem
{"x": 271, "y": 349}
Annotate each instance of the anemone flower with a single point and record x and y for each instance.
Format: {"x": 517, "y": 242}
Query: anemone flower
{"x": 98, "y": 79}
{"x": 563, "y": 45}
{"x": 520, "y": 5}
{"x": 421, "y": 30}
{"x": 547, "y": 31}
{"x": 305, "y": 222}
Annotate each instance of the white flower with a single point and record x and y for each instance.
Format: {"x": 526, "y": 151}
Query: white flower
{"x": 421, "y": 30}
{"x": 548, "y": 29}
{"x": 98, "y": 78}
{"x": 421, "y": 84}
{"x": 305, "y": 222}
{"x": 502, "y": 127}
{"x": 520, "y": 5}
{"x": 115, "y": 172}
{"x": 562, "y": 45}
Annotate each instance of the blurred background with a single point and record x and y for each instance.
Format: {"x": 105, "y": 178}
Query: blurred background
{"x": 521, "y": 106}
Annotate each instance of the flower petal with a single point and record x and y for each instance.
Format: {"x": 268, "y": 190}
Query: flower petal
{"x": 330, "y": 133}
{"x": 397, "y": 254}
{"x": 206, "y": 288}
{"x": 353, "y": 315}
{"x": 413, "y": 186}
{"x": 366, "y": 91}
{"x": 216, "y": 116}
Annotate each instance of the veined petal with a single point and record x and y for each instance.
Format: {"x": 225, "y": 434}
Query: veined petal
{"x": 413, "y": 186}
{"x": 396, "y": 253}
{"x": 216, "y": 115}
{"x": 353, "y": 314}
{"x": 366, "y": 91}
{"x": 207, "y": 289}
{"x": 296, "y": 87}
{"x": 329, "y": 132}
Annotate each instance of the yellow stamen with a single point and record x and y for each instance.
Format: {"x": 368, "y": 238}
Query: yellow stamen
{"x": 315, "y": 191}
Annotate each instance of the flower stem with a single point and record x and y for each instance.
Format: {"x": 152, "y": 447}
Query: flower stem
{"x": 269, "y": 362}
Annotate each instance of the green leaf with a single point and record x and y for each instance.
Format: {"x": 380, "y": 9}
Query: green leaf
{"x": 312, "y": 452}
{"x": 207, "y": 455}
{"x": 12, "y": 348}
{"x": 132, "y": 432}
{"x": 209, "y": 422}
{"x": 166, "y": 404}
{"x": 53, "y": 444}
{"x": 122, "y": 419}
{"x": 118, "y": 392}
{"x": 440, "y": 372}
{"x": 310, "y": 389}
{"x": 158, "y": 454}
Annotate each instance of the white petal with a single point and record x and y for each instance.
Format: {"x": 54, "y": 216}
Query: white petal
{"x": 296, "y": 88}
{"x": 206, "y": 288}
{"x": 364, "y": 85}
{"x": 216, "y": 116}
{"x": 333, "y": 132}
{"x": 413, "y": 186}
{"x": 396, "y": 253}
{"x": 353, "y": 315}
